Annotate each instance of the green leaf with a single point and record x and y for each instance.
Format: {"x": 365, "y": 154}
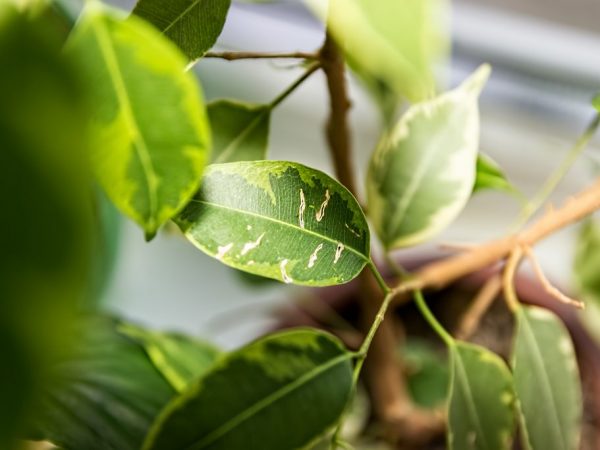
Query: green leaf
{"x": 280, "y": 392}
{"x": 596, "y": 101}
{"x": 422, "y": 173}
{"x": 388, "y": 42}
{"x": 587, "y": 261}
{"x": 106, "y": 394}
{"x": 194, "y": 25}
{"x": 489, "y": 175}
{"x": 546, "y": 381}
{"x": 240, "y": 131}
{"x": 46, "y": 212}
{"x": 280, "y": 220}
{"x": 481, "y": 411}
{"x": 150, "y": 134}
{"x": 178, "y": 357}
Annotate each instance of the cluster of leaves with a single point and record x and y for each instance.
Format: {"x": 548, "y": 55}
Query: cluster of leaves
{"x": 125, "y": 387}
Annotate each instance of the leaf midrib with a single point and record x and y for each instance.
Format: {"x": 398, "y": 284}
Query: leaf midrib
{"x": 538, "y": 363}
{"x": 249, "y": 412}
{"x": 240, "y": 137}
{"x": 287, "y": 224}
{"x": 469, "y": 398}
{"x": 140, "y": 146}
{"x": 181, "y": 16}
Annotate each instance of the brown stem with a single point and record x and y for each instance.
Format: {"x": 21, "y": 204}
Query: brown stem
{"x": 478, "y": 307}
{"x": 233, "y": 56}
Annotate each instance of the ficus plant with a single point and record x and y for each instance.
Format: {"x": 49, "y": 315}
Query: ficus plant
{"x": 105, "y": 108}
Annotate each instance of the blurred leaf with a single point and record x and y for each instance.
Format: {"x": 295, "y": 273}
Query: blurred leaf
{"x": 422, "y": 173}
{"x": 240, "y": 131}
{"x": 547, "y": 381}
{"x": 46, "y": 222}
{"x": 481, "y": 412}
{"x": 427, "y": 373}
{"x": 280, "y": 220}
{"x": 280, "y": 392}
{"x": 180, "y": 358}
{"x": 389, "y": 42}
{"x": 489, "y": 175}
{"x": 194, "y": 25}
{"x": 587, "y": 261}
{"x": 106, "y": 394}
{"x": 150, "y": 135}
{"x": 596, "y": 101}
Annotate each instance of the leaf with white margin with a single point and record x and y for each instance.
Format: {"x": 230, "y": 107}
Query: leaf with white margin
{"x": 280, "y": 220}
{"x": 422, "y": 173}
{"x": 150, "y": 136}
{"x": 481, "y": 403}
{"x": 546, "y": 381}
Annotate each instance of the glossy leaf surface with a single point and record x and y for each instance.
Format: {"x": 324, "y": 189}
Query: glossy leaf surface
{"x": 240, "y": 131}
{"x": 280, "y": 220}
{"x": 194, "y": 25}
{"x": 180, "y": 358}
{"x": 150, "y": 134}
{"x": 281, "y": 392}
{"x": 546, "y": 381}
{"x": 422, "y": 173}
{"x": 46, "y": 212}
{"x": 481, "y": 410}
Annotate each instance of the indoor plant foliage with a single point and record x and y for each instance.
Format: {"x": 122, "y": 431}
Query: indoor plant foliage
{"x": 130, "y": 116}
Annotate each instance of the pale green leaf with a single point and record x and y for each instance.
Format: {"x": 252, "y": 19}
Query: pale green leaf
{"x": 280, "y": 392}
{"x": 180, "y": 358}
{"x": 46, "y": 226}
{"x": 596, "y": 101}
{"x": 389, "y": 42}
{"x": 422, "y": 173}
{"x": 489, "y": 175}
{"x": 240, "y": 131}
{"x": 280, "y": 220}
{"x": 150, "y": 133}
{"x": 481, "y": 410}
{"x": 546, "y": 381}
{"x": 194, "y": 25}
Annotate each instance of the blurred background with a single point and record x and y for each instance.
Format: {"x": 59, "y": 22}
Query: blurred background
{"x": 546, "y": 69}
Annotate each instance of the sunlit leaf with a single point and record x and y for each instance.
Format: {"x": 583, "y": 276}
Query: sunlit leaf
{"x": 489, "y": 175}
{"x": 180, "y": 358}
{"x": 281, "y": 392}
{"x": 150, "y": 133}
{"x": 389, "y": 42}
{"x": 481, "y": 410}
{"x": 46, "y": 210}
{"x": 240, "y": 131}
{"x": 280, "y": 220}
{"x": 546, "y": 381}
{"x": 422, "y": 173}
{"x": 194, "y": 25}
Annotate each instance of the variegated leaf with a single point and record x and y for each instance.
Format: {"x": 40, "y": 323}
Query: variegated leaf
{"x": 280, "y": 220}
{"x": 240, "y": 131}
{"x": 422, "y": 173}
{"x": 281, "y": 392}
{"x": 481, "y": 411}
{"x": 194, "y": 25}
{"x": 150, "y": 134}
{"x": 546, "y": 381}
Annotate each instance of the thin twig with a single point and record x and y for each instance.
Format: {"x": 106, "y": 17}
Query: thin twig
{"x": 234, "y": 56}
{"x": 478, "y": 307}
{"x": 548, "y": 287}
{"x": 508, "y": 279}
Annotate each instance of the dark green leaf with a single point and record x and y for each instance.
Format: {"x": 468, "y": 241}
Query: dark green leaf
{"x": 489, "y": 175}
{"x": 481, "y": 411}
{"x": 105, "y": 395}
{"x": 194, "y": 25}
{"x": 280, "y": 392}
{"x": 394, "y": 42}
{"x": 546, "y": 381}
{"x": 427, "y": 373}
{"x": 150, "y": 134}
{"x": 587, "y": 261}
{"x": 280, "y": 220}
{"x": 180, "y": 358}
{"x": 422, "y": 173}
{"x": 240, "y": 131}
{"x": 46, "y": 213}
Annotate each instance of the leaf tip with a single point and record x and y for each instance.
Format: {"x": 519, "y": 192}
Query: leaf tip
{"x": 475, "y": 83}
